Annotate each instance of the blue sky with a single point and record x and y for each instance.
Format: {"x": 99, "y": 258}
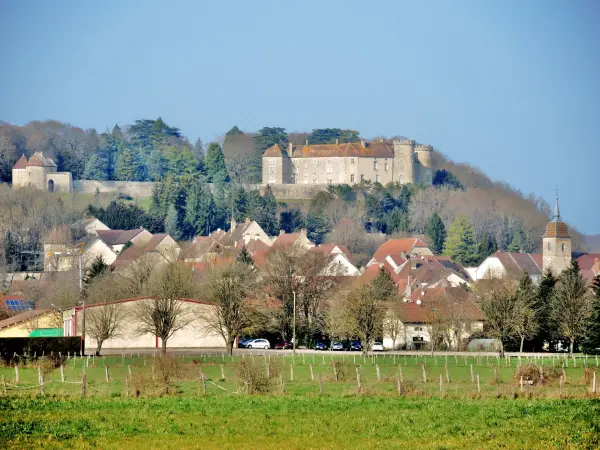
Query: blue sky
{"x": 511, "y": 87}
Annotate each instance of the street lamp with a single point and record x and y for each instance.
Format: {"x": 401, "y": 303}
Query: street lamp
{"x": 294, "y": 326}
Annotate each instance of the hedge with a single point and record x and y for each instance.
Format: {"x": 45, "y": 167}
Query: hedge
{"x": 31, "y": 348}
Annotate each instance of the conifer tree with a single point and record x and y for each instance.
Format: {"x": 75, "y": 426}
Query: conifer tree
{"x": 460, "y": 242}
{"x": 199, "y": 209}
{"x": 269, "y": 220}
{"x": 436, "y": 231}
{"x": 215, "y": 164}
{"x": 542, "y": 309}
{"x": 526, "y": 320}
{"x": 98, "y": 268}
{"x": 244, "y": 257}
{"x": 383, "y": 285}
{"x": 172, "y": 226}
{"x": 485, "y": 248}
{"x": 95, "y": 168}
{"x": 126, "y": 168}
{"x": 591, "y": 342}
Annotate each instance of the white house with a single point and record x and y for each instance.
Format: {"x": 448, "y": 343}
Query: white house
{"x": 509, "y": 264}
{"x": 89, "y": 225}
{"x": 195, "y": 334}
{"x": 341, "y": 264}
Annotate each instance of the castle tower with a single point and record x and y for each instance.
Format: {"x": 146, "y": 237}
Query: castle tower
{"x": 425, "y": 166}
{"x": 557, "y": 244}
{"x": 404, "y": 158}
{"x": 19, "y": 173}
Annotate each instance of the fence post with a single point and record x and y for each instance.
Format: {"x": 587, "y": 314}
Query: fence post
{"x": 399, "y": 384}
{"x": 378, "y": 373}
{"x": 282, "y": 385}
{"x": 292, "y": 372}
{"x": 335, "y": 372}
{"x": 106, "y": 374}
{"x": 203, "y": 382}
{"x": 441, "y": 383}
{"x": 3, "y": 385}
{"x": 39, "y": 375}
{"x": 320, "y": 384}
{"x": 62, "y": 373}
{"x": 83, "y": 384}
{"x": 521, "y": 383}
{"x": 357, "y": 380}
{"x": 17, "y": 373}
{"x": 312, "y": 375}
{"x": 424, "y": 373}
{"x": 42, "y": 391}
{"x": 400, "y": 373}
{"x": 541, "y": 374}
{"x": 496, "y": 374}
{"x": 447, "y": 374}
{"x": 129, "y": 370}
{"x": 478, "y": 385}
{"x": 564, "y": 374}
{"x": 560, "y": 385}
{"x": 268, "y": 371}
{"x": 222, "y": 373}
{"x": 472, "y": 375}
{"x": 594, "y": 383}
{"x": 127, "y": 385}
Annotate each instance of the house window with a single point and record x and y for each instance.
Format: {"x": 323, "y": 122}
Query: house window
{"x": 362, "y": 178}
{"x": 328, "y": 180}
{"x": 352, "y": 178}
{"x": 375, "y": 165}
{"x": 418, "y": 328}
{"x": 352, "y": 161}
{"x": 377, "y": 178}
{"x": 305, "y": 165}
{"x": 385, "y": 166}
{"x": 548, "y": 246}
{"x": 563, "y": 246}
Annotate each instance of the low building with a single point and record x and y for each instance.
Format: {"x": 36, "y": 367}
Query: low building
{"x": 40, "y": 172}
{"x": 397, "y": 251}
{"x": 27, "y": 322}
{"x": 195, "y": 334}
{"x": 509, "y": 265}
{"x": 341, "y": 261}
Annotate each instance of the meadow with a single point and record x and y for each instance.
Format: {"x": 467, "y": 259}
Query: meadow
{"x": 395, "y": 401}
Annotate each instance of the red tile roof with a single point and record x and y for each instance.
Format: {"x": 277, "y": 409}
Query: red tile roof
{"x": 118, "y": 237}
{"x": 357, "y": 149}
{"x": 395, "y": 247}
{"x": 287, "y": 239}
{"x": 443, "y": 298}
{"x": 273, "y": 152}
{"x": 155, "y": 241}
{"x": 40, "y": 160}
{"x": 587, "y": 263}
{"x": 21, "y": 163}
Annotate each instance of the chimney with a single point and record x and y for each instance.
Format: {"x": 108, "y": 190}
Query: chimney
{"x": 233, "y": 225}
{"x": 337, "y": 142}
{"x": 403, "y": 254}
{"x": 408, "y": 291}
{"x": 363, "y": 143}
{"x": 413, "y": 263}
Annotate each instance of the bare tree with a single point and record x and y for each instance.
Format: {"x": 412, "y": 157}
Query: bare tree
{"x": 571, "y": 304}
{"x": 436, "y": 319}
{"x": 499, "y": 305}
{"x": 392, "y": 326}
{"x": 164, "y": 312}
{"x": 104, "y": 321}
{"x": 358, "y": 313}
{"x": 135, "y": 278}
{"x": 230, "y": 287}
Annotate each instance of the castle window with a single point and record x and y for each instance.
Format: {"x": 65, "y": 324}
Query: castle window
{"x": 352, "y": 178}
{"x": 375, "y": 165}
{"x": 352, "y": 161}
{"x": 548, "y": 246}
{"x": 328, "y": 180}
{"x": 385, "y": 166}
{"x": 362, "y": 178}
{"x": 563, "y": 246}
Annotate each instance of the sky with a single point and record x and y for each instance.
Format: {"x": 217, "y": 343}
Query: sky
{"x": 510, "y": 87}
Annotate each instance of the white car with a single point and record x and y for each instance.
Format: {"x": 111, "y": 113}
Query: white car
{"x": 260, "y": 343}
{"x": 377, "y": 347}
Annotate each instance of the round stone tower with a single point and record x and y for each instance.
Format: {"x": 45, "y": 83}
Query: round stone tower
{"x": 19, "y": 173}
{"x": 557, "y": 244}
{"x": 404, "y": 161}
{"x": 424, "y": 154}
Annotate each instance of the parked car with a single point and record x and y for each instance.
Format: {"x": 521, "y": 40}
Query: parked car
{"x": 377, "y": 346}
{"x": 320, "y": 346}
{"x": 243, "y": 343}
{"x": 285, "y": 345}
{"x": 355, "y": 346}
{"x": 259, "y": 343}
{"x": 337, "y": 345}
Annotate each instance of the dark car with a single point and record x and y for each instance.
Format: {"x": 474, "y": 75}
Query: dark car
{"x": 320, "y": 346}
{"x": 285, "y": 345}
{"x": 354, "y": 346}
{"x": 243, "y": 343}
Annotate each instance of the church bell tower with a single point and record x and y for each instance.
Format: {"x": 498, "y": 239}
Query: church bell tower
{"x": 557, "y": 244}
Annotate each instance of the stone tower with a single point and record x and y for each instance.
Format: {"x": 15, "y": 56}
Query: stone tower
{"x": 557, "y": 244}
{"x": 404, "y": 161}
{"x": 425, "y": 167}
{"x": 40, "y": 172}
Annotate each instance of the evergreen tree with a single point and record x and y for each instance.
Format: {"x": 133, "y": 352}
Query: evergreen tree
{"x": 235, "y": 131}
{"x": 199, "y": 154}
{"x": 221, "y": 211}
{"x": 460, "y": 242}
{"x": 516, "y": 244}
{"x": 117, "y": 133}
{"x": 238, "y": 203}
{"x": 383, "y": 285}
{"x": 436, "y": 231}
{"x": 98, "y": 268}
{"x": 180, "y": 160}
{"x": 156, "y": 165}
{"x": 172, "y": 225}
{"x": 95, "y": 169}
{"x": 445, "y": 178}
{"x": 317, "y": 226}
{"x": 269, "y": 219}
{"x": 486, "y": 247}
{"x": 591, "y": 342}
{"x": 542, "y": 310}
{"x": 291, "y": 220}
{"x": 244, "y": 257}
{"x": 330, "y": 135}
{"x": 215, "y": 164}
{"x": 526, "y": 321}
{"x": 199, "y": 209}
{"x": 126, "y": 168}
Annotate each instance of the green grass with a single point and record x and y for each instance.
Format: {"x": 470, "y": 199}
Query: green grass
{"x": 297, "y": 421}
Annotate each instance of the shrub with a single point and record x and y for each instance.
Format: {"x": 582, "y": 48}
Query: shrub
{"x": 531, "y": 374}
{"x": 254, "y": 376}
{"x": 167, "y": 368}
{"x": 27, "y": 348}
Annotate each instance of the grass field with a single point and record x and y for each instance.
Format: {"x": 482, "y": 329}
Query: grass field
{"x": 134, "y": 410}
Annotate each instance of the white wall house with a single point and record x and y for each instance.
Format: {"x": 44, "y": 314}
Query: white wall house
{"x": 194, "y": 335}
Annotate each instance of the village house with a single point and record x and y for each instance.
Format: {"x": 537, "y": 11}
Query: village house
{"x": 33, "y": 322}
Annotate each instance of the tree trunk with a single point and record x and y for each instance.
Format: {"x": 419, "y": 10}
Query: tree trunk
{"x": 522, "y": 340}
{"x": 99, "y": 347}
{"x": 163, "y": 350}
{"x": 365, "y": 347}
{"x": 571, "y": 345}
{"x": 230, "y": 343}
{"x": 501, "y": 348}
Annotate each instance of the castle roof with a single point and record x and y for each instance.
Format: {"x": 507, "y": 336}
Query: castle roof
{"x": 557, "y": 228}
{"x": 350, "y": 149}
{"x": 21, "y": 163}
{"x": 38, "y": 159}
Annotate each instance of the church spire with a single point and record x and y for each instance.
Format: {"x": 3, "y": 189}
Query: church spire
{"x": 556, "y": 209}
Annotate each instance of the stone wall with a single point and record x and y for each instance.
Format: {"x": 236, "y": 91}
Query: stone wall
{"x": 133, "y": 188}
{"x": 144, "y": 188}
